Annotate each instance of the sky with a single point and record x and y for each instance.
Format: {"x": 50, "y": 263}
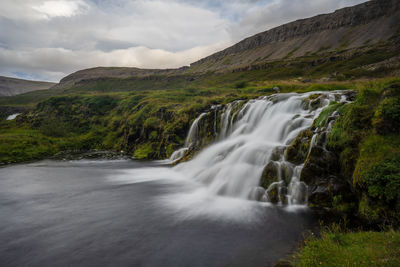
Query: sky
{"x": 49, "y": 39}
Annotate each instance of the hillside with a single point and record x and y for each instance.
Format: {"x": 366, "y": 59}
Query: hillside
{"x": 345, "y": 29}
{"x": 12, "y": 86}
{"x": 300, "y": 48}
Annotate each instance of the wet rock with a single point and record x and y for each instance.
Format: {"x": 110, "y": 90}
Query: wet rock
{"x": 277, "y": 193}
{"x": 320, "y": 163}
{"x": 286, "y": 172}
{"x": 273, "y": 195}
{"x": 321, "y": 172}
{"x": 297, "y": 151}
{"x": 277, "y": 153}
{"x": 269, "y": 175}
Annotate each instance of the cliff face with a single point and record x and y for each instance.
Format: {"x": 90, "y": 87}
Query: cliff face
{"x": 12, "y": 86}
{"x": 351, "y": 27}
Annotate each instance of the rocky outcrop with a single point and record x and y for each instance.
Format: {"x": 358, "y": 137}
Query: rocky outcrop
{"x": 12, "y": 86}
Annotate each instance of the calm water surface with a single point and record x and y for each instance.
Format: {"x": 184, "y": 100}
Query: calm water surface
{"x": 128, "y": 213}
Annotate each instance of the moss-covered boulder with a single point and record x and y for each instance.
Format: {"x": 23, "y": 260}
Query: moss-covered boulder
{"x": 269, "y": 175}
{"x": 297, "y": 151}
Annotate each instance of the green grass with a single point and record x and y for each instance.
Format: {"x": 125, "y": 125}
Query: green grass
{"x": 335, "y": 248}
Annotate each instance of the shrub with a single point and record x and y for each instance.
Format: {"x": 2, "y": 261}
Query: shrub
{"x": 387, "y": 117}
{"x": 240, "y": 85}
{"x": 383, "y": 179}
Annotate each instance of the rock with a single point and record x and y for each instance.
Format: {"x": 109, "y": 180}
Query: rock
{"x": 297, "y": 151}
{"x": 273, "y": 195}
{"x": 277, "y": 153}
{"x": 277, "y": 193}
{"x": 286, "y": 172}
{"x": 321, "y": 172}
{"x": 276, "y": 89}
{"x": 269, "y": 175}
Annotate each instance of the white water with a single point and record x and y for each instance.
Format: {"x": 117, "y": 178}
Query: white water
{"x": 191, "y": 139}
{"x": 233, "y": 165}
{"x": 13, "y": 116}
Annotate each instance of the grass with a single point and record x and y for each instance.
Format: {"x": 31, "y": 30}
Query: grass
{"x": 336, "y": 248}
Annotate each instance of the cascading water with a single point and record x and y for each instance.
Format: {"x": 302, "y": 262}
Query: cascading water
{"x": 256, "y": 136}
{"x": 190, "y": 141}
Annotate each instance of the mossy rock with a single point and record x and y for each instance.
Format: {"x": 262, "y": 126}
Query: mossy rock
{"x": 273, "y": 195}
{"x": 277, "y": 153}
{"x": 269, "y": 175}
{"x": 286, "y": 172}
{"x": 297, "y": 151}
{"x": 320, "y": 163}
{"x": 277, "y": 194}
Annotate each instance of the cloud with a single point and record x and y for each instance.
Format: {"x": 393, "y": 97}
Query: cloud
{"x": 54, "y": 63}
{"x": 61, "y": 8}
{"x": 48, "y": 39}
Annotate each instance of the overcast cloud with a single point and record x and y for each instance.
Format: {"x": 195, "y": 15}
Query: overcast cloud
{"x": 48, "y": 39}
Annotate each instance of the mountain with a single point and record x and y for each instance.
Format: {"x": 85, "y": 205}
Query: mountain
{"x": 348, "y": 28}
{"x": 13, "y": 86}
{"x": 370, "y": 28}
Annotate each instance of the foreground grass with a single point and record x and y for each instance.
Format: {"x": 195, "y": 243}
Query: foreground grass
{"x": 335, "y": 248}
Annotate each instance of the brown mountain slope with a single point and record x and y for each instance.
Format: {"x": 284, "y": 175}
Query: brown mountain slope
{"x": 346, "y": 33}
{"x": 347, "y": 28}
{"x": 12, "y": 86}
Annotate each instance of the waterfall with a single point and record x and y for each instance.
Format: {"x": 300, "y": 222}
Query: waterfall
{"x": 259, "y": 134}
{"x": 191, "y": 139}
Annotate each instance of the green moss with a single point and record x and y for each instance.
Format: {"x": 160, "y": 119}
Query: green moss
{"x": 325, "y": 113}
{"x": 143, "y": 151}
{"x": 387, "y": 117}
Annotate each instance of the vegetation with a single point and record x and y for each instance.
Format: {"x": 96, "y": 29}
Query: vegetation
{"x": 337, "y": 248}
{"x": 367, "y": 139}
{"x": 146, "y": 124}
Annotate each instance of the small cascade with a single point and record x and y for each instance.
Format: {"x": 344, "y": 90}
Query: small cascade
{"x": 229, "y": 114}
{"x": 191, "y": 139}
{"x": 250, "y": 146}
{"x": 193, "y": 135}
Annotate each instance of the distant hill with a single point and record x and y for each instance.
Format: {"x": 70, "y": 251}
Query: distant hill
{"x": 352, "y": 27}
{"x": 11, "y": 86}
{"x": 371, "y": 28}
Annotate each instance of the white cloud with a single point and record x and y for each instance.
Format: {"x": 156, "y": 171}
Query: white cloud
{"x": 55, "y": 63}
{"x": 61, "y": 8}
